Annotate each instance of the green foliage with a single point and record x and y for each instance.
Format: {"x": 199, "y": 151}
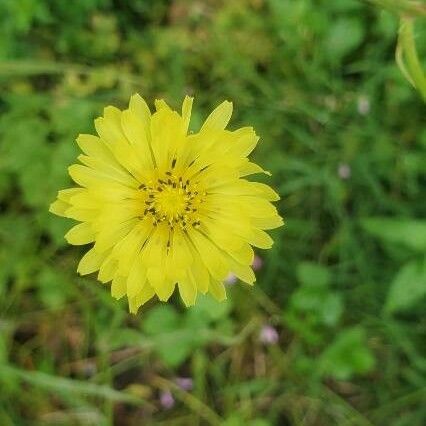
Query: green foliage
{"x": 408, "y": 287}
{"x": 408, "y": 233}
{"x": 175, "y": 337}
{"x": 342, "y": 133}
{"x": 313, "y": 306}
{"x": 347, "y": 355}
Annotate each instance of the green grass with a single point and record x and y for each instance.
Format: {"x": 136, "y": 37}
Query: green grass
{"x": 343, "y": 134}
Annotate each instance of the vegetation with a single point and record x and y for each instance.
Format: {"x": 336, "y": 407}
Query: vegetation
{"x": 332, "y": 332}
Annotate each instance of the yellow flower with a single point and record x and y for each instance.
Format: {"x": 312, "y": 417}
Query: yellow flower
{"x": 165, "y": 207}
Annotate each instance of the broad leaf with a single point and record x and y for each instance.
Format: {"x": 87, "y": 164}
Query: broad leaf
{"x": 408, "y": 287}
{"x": 408, "y": 232}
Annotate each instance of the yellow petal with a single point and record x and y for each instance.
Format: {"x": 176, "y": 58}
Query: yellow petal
{"x": 140, "y": 108}
{"x": 243, "y": 272}
{"x": 168, "y": 135}
{"x": 161, "y": 104}
{"x": 109, "y": 236}
{"x": 118, "y": 287}
{"x": 114, "y": 171}
{"x": 93, "y": 146}
{"x": 219, "y": 117}
{"x": 199, "y": 271}
{"x": 217, "y": 289}
{"x": 257, "y": 207}
{"x": 81, "y": 215}
{"x": 131, "y": 245}
{"x": 186, "y": 110}
{"x": 85, "y": 176}
{"x": 210, "y": 255}
{"x": 85, "y": 200}
{"x": 260, "y": 239}
{"x": 244, "y": 187}
{"x": 90, "y": 262}
{"x": 270, "y": 222}
{"x": 80, "y": 234}
{"x": 137, "y": 277}
{"x": 180, "y": 253}
{"x": 107, "y": 270}
{"x": 67, "y": 194}
{"x": 110, "y": 130}
{"x": 188, "y": 290}
{"x": 136, "y": 130}
{"x": 163, "y": 287}
{"x": 136, "y": 302}
{"x": 243, "y": 255}
{"x": 243, "y": 143}
{"x": 249, "y": 168}
{"x": 59, "y": 208}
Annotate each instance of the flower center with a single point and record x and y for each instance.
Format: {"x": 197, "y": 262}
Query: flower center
{"x": 173, "y": 200}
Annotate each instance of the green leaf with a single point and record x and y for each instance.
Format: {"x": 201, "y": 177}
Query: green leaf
{"x": 161, "y": 319}
{"x": 207, "y": 309}
{"x": 310, "y": 273}
{"x": 408, "y": 287}
{"x": 172, "y": 342}
{"x": 52, "y": 287}
{"x": 332, "y": 309}
{"x": 347, "y": 356}
{"x": 344, "y": 36}
{"x": 408, "y": 232}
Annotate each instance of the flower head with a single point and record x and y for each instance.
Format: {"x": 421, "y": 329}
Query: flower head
{"x": 165, "y": 207}
{"x": 166, "y": 400}
{"x": 268, "y": 335}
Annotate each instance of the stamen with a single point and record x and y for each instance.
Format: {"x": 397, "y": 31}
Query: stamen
{"x": 172, "y": 201}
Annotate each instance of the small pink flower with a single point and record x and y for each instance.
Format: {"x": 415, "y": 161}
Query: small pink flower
{"x": 230, "y": 279}
{"x": 166, "y": 400}
{"x": 185, "y": 383}
{"x": 257, "y": 263}
{"x": 268, "y": 335}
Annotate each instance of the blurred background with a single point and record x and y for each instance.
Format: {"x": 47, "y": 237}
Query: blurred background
{"x": 333, "y": 332}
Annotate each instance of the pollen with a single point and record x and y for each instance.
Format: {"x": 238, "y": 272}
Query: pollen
{"x": 172, "y": 200}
